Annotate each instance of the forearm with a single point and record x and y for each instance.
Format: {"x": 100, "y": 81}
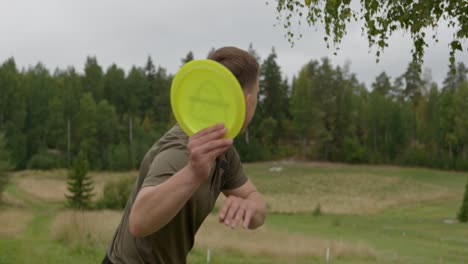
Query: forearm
{"x": 156, "y": 205}
{"x": 260, "y": 213}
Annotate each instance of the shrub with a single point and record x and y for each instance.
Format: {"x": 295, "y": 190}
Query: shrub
{"x": 461, "y": 164}
{"x": 118, "y": 157}
{"x": 463, "y": 213}
{"x": 116, "y": 194}
{"x": 317, "y": 211}
{"x": 45, "y": 161}
{"x": 4, "y": 166}
{"x": 354, "y": 152}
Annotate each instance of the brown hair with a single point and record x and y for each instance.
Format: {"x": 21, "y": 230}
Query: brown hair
{"x": 243, "y": 65}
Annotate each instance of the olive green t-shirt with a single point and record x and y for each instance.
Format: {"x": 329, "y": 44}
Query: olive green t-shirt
{"x": 172, "y": 243}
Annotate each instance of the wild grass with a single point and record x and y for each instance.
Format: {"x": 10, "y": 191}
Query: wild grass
{"x": 369, "y": 214}
{"x": 79, "y": 228}
{"x": 13, "y": 221}
{"x": 344, "y": 189}
{"x": 298, "y": 187}
{"x": 52, "y": 185}
{"x": 52, "y": 190}
{"x": 269, "y": 242}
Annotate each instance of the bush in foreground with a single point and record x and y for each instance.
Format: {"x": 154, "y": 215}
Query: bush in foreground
{"x": 463, "y": 214}
{"x": 116, "y": 193}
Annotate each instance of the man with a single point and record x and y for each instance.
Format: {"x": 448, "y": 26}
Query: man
{"x": 180, "y": 179}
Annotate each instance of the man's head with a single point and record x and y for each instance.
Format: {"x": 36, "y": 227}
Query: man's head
{"x": 246, "y": 69}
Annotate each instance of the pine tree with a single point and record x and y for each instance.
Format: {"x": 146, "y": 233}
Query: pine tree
{"x": 80, "y": 184}
{"x": 38, "y": 84}
{"x": 56, "y": 123}
{"x": 106, "y": 134}
{"x": 147, "y": 100}
{"x": 92, "y": 79}
{"x": 13, "y": 112}
{"x": 88, "y": 129}
{"x": 413, "y": 83}
{"x": 254, "y": 53}
{"x": 188, "y": 58}
{"x": 463, "y": 214}
{"x": 382, "y": 84}
{"x": 161, "y": 103}
{"x": 115, "y": 89}
{"x": 325, "y": 91}
{"x": 273, "y": 95}
{"x": 73, "y": 89}
{"x": 304, "y": 107}
{"x": 454, "y": 79}
{"x": 460, "y": 104}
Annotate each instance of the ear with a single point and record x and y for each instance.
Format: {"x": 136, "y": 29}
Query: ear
{"x": 247, "y": 96}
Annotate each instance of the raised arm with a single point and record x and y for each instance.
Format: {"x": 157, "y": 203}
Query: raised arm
{"x": 171, "y": 195}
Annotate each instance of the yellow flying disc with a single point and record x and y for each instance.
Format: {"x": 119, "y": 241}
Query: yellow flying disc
{"x": 205, "y": 93}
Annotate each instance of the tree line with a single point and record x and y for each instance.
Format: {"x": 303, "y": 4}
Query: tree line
{"x": 325, "y": 113}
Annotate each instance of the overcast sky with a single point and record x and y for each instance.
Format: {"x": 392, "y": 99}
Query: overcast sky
{"x": 60, "y": 33}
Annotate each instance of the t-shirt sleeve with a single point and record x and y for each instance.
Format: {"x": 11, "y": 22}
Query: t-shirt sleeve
{"x": 164, "y": 165}
{"x": 235, "y": 176}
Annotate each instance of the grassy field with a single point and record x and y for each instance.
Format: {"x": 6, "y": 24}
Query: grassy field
{"x": 369, "y": 214}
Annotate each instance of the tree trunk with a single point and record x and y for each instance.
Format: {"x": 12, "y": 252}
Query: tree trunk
{"x": 375, "y": 140}
{"x": 304, "y": 146}
{"x": 130, "y": 141}
{"x": 68, "y": 142}
{"x": 450, "y": 152}
{"x": 387, "y": 155}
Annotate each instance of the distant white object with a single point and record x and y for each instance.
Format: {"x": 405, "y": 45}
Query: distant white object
{"x": 276, "y": 169}
{"x": 450, "y": 221}
{"x": 208, "y": 256}
{"x": 327, "y": 256}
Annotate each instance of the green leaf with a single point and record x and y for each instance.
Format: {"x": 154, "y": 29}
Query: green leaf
{"x": 456, "y": 45}
{"x": 381, "y": 43}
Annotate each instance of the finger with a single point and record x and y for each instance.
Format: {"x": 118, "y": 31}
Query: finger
{"x": 217, "y": 134}
{"x": 238, "y": 218}
{"x": 207, "y": 131}
{"x": 247, "y": 217}
{"x": 224, "y": 210}
{"x": 213, "y": 145}
{"x": 202, "y": 151}
{"x": 232, "y": 212}
{"x": 215, "y": 153}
